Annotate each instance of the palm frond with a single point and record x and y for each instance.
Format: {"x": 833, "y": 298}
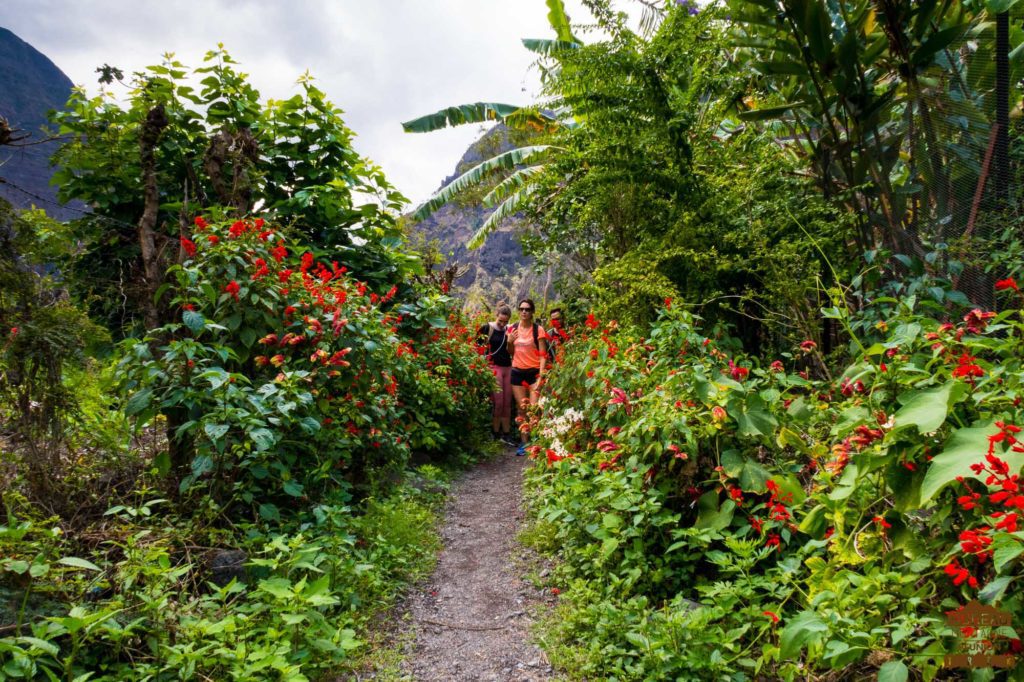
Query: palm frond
{"x": 511, "y": 184}
{"x": 547, "y": 48}
{"x": 507, "y": 208}
{"x": 478, "y": 112}
{"x": 559, "y": 21}
{"x": 477, "y": 174}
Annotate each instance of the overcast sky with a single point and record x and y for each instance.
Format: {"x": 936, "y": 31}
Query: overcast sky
{"x": 382, "y": 61}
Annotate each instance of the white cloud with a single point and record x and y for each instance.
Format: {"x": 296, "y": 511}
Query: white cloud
{"x": 382, "y": 61}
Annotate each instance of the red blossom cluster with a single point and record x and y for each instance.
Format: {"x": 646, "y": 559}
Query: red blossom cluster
{"x": 1004, "y": 498}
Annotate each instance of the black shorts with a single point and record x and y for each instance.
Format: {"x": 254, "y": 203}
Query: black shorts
{"x": 528, "y": 376}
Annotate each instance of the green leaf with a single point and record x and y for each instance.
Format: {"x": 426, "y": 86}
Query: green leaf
{"x": 509, "y": 160}
{"x": 479, "y": 112}
{"x": 269, "y": 512}
{"x": 1005, "y": 548}
{"x": 437, "y": 322}
{"x": 893, "y": 671}
{"x": 994, "y": 591}
{"x": 78, "y": 563}
{"x": 752, "y": 416}
{"x": 927, "y": 409}
{"x": 162, "y": 462}
{"x": 41, "y": 644}
{"x": 559, "y": 21}
{"x": 215, "y": 431}
{"x": 138, "y": 402}
{"x": 751, "y": 474}
{"x": 194, "y": 320}
{"x": 805, "y": 628}
{"x": 280, "y": 588}
{"x": 264, "y": 439}
{"x": 965, "y": 447}
{"x": 293, "y": 488}
{"x": 814, "y": 523}
{"x": 547, "y": 47}
{"x": 710, "y": 515}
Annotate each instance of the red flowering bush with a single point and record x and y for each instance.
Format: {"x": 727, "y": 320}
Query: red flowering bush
{"x": 855, "y": 509}
{"x": 286, "y": 373}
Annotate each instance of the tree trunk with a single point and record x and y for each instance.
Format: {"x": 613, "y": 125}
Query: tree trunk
{"x": 156, "y": 121}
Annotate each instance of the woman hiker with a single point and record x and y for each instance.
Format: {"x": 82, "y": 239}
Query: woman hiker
{"x": 528, "y": 342}
{"x": 494, "y": 335}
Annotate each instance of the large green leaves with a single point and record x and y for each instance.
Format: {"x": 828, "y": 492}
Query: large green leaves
{"x": 927, "y": 409}
{"x": 474, "y": 176}
{"x": 965, "y": 447}
{"x": 559, "y": 21}
{"x": 478, "y": 112}
{"x": 805, "y": 628}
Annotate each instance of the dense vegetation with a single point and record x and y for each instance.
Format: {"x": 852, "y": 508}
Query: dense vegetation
{"x": 782, "y": 445}
{"x": 236, "y": 487}
{"x": 783, "y": 442}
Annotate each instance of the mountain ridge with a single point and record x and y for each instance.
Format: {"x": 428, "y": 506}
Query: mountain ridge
{"x": 30, "y": 86}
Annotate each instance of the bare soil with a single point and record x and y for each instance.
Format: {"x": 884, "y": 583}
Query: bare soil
{"x": 471, "y": 619}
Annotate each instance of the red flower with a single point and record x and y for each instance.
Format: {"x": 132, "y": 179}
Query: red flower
{"x": 188, "y": 306}
{"x": 736, "y": 372}
{"x": 882, "y": 523}
{"x": 718, "y": 413}
{"x": 668, "y": 302}
{"x": 259, "y": 223}
{"x": 772, "y": 615}
{"x": 188, "y": 246}
{"x": 237, "y": 228}
{"x": 213, "y": 239}
{"x": 773, "y": 540}
{"x": 676, "y": 452}
{"x": 977, "y": 320}
{"x": 591, "y": 322}
{"x": 200, "y": 223}
{"x": 777, "y": 366}
{"x": 233, "y": 289}
{"x": 967, "y": 368}
{"x": 808, "y": 346}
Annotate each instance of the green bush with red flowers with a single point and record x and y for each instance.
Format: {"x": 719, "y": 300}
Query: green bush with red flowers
{"x": 286, "y": 375}
{"x": 723, "y": 518}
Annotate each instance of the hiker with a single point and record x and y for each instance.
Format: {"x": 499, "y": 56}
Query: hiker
{"x": 494, "y": 335}
{"x": 528, "y": 342}
{"x": 556, "y": 334}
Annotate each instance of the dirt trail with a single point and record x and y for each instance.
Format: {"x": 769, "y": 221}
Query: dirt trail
{"x": 471, "y": 619}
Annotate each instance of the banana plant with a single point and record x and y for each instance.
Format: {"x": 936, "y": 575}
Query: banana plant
{"x": 526, "y": 163}
{"x": 880, "y": 96}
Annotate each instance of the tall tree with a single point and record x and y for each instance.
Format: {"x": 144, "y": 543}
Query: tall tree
{"x": 176, "y": 148}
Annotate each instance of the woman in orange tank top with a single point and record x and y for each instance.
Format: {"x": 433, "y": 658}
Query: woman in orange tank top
{"x": 528, "y": 342}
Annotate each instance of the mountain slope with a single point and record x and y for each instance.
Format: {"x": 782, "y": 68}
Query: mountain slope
{"x": 30, "y": 85}
{"x": 498, "y": 270}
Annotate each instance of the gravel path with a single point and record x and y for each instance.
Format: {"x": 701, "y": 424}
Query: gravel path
{"x": 471, "y": 619}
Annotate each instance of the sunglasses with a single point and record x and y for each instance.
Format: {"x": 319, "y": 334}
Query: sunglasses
{"x": 526, "y": 310}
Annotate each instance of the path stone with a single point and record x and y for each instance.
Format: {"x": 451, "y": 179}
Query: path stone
{"x": 471, "y": 619}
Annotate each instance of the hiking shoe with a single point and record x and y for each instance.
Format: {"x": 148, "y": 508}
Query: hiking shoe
{"x": 521, "y": 450}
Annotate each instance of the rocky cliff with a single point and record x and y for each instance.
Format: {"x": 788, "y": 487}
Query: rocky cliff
{"x": 30, "y": 85}
{"x": 498, "y": 270}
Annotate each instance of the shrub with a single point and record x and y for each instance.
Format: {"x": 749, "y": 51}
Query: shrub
{"x": 822, "y": 524}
